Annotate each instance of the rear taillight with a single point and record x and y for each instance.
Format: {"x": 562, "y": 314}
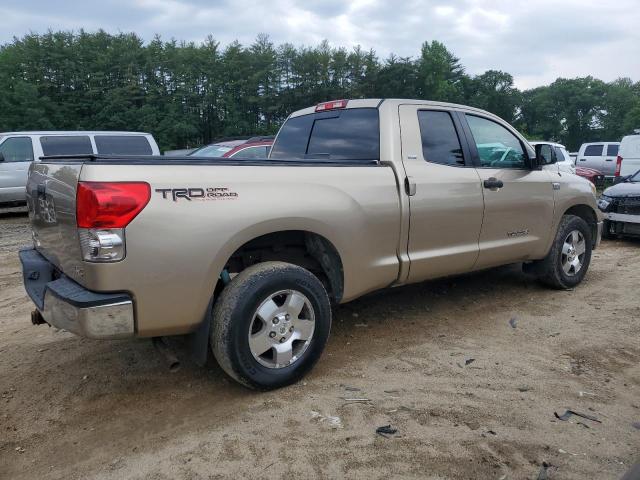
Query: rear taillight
{"x": 618, "y": 165}
{"x": 332, "y": 105}
{"x": 103, "y": 210}
{"x": 110, "y": 204}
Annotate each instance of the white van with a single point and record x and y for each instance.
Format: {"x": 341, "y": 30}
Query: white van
{"x": 600, "y": 156}
{"x": 630, "y": 154}
{"x": 19, "y": 149}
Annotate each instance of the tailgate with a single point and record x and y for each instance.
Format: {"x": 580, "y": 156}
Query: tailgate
{"x": 51, "y": 198}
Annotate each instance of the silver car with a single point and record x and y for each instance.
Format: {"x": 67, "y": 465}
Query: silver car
{"x": 19, "y": 149}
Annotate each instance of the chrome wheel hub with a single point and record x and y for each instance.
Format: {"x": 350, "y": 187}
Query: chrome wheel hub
{"x": 573, "y": 252}
{"x": 281, "y": 329}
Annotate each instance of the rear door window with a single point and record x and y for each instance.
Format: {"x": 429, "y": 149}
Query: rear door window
{"x": 17, "y": 149}
{"x": 122, "y": 145}
{"x": 350, "y": 135}
{"x": 593, "y": 151}
{"x": 66, "y": 145}
{"x": 612, "y": 150}
{"x": 440, "y": 142}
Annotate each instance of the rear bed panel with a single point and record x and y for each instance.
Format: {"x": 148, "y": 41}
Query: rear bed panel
{"x": 176, "y": 249}
{"x": 51, "y": 199}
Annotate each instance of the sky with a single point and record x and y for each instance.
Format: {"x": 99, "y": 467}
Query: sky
{"x": 536, "y": 41}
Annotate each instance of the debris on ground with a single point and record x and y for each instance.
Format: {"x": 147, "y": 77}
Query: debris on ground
{"x": 20, "y": 449}
{"x": 524, "y": 388}
{"x": 560, "y": 450}
{"x": 636, "y": 425}
{"x": 513, "y": 322}
{"x": 583, "y": 394}
{"x": 567, "y": 415}
{"x": 543, "y": 474}
{"x": 386, "y": 430}
{"x": 356, "y": 400}
{"x": 361, "y": 325}
{"x": 333, "y": 422}
{"x": 467, "y": 361}
{"x": 350, "y": 389}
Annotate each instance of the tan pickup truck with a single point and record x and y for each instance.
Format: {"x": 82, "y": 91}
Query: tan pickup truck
{"x": 248, "y": 256}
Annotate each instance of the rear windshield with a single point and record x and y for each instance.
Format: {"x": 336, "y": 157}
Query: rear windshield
{"x": 352, "y": 135}
{"x": 122, "y": 145}
{"x": 66, "y": 145}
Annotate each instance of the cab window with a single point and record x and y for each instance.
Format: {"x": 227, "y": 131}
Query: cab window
{"x": 497, "y": 146}
{"x": 560, "y": 154}
{"x": 336, "y": 135}
{"x": 17, "y": 149}
{"x": 66, "y": 145}
{"x": 612, "y": 150}
{"x": 440, "y": 142}
{"x": 593, "y": 151}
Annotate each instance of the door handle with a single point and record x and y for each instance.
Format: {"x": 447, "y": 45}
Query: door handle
{"x": 493, "y": 183}
{"x": 608, "y": 159}
{"x": 409, "y": 186}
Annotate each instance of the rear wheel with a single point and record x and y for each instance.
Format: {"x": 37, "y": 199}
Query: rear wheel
{"x": 270, "y": 325}
{"x": 568, "y": 260}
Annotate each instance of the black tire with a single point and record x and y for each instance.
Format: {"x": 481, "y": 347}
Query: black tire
{"x": 234, "y": 313}
{"x": 549, "y": 269}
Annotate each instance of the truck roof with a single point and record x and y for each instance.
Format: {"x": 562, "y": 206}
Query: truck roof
{"x": 73, "y": 132}
{"x": 376, "y": 102}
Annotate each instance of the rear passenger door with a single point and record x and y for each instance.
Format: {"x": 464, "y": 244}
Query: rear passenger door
{"x": 444, "y": 191}
{"x": 592, "y": 157}
{"x": 609, "y": 164}
{"x": 518, "y": 200}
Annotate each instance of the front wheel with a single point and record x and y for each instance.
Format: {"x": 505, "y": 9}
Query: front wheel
{"x": 270, "y": 325}
{"x": 568, "y": 260}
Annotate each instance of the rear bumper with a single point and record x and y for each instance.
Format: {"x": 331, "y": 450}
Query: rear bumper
{"x": 65, "y": 304}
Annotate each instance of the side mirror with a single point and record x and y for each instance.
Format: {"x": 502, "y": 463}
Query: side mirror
{"x": 545, "y": 155}
{"x": 1, "y": 157}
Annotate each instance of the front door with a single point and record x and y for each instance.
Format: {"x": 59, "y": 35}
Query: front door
{"x": 518, "y": 201}
{"x": 592, "y": 157}
{"x": 445, "y": 196}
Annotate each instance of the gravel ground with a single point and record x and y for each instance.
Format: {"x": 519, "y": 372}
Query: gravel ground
{"x": 74, "y": 408}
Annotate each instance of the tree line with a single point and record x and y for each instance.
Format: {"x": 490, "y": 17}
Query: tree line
{"x": 188, "y": 94}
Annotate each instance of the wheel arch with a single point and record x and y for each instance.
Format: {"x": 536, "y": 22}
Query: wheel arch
{"x": 588, "y": 214}
{"x": 308, "y": 247}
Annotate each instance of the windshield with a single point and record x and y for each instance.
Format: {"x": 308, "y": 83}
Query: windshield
{"x": 211, "y": 151}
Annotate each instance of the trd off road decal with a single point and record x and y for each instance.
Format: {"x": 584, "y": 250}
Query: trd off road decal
{"x": 209, "y": 193}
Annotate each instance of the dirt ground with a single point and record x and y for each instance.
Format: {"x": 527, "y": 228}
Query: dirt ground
{"x": 74, "y": 408}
